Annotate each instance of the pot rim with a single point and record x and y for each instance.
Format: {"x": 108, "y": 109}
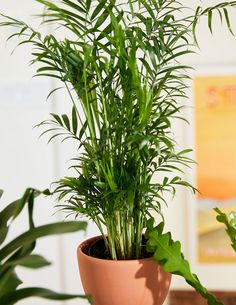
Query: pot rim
{"x": 85, "y": 243}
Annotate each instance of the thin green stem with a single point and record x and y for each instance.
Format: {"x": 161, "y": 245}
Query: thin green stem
{"x": 111, "y": 239}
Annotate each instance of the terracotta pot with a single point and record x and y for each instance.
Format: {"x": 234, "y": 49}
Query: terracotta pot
{"x": 123, "y": 282}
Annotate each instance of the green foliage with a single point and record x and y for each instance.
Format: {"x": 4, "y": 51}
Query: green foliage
{"x": 17, "y": 252}
{"x": 230, "y": 224}
{"x": 121, "y": 65}
{"x": 167, "y": 252}
{"x": 19, "y": 294}
{"x": 221, "y": 9}
{"x": 123, "y": 74}
{"x": 121, "y": 68}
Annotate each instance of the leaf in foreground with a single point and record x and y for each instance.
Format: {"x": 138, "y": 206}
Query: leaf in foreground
{"x": 20, "y": 294}
{"x": 42, "y": 231}
{"x": 168, "y": 254}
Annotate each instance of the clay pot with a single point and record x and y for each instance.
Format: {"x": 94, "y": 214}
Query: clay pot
{"x": 128, "y": 282}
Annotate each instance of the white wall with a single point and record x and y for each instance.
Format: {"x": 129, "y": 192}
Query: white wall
{"x": 27, "y": 161}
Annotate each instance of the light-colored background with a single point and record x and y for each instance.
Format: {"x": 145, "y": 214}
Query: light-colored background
{"x": 26, "y": 160}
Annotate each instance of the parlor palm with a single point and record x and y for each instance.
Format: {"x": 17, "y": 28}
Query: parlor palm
{"x": 124, "y": 81}
{"x": 121, "y": 65}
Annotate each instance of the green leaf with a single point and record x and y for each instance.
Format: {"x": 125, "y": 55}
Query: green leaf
{"x": 5, "y": 215}
{"x": 25, "y": 200}
{"x": 3, "y": 234}
{"x": 57, "y": 118}
{"x": 66, "y": 121}
{"x": 83, "y": 129}
{"x": 230, "y": 225}
{"x": 88, "y": 4}
{"x": 9, "y": 281}
{"x": 42, "y": 231}
{"x": 101, "y": 19}
{"x": 53, "y": 91}
{"x": 210, "y": 20}
{"x": 31, "y": 261}
{"x": 15, "y": 296}
{"x": 98, "y": 9}
{"x": 168, "y": 253}
{"x": 74, "y": 121}
{"x": 228, "y": 20}
{"x": 79, "y": 7}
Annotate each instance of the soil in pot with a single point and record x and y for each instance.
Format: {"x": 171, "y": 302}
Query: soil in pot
{"x": 98, "y": 249}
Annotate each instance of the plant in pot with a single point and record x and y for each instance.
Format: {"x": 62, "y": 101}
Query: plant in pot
{"x": 18, "y": 251}
{"x": 121, "y": 65}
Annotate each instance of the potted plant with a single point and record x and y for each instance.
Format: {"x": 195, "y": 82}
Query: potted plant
{"x": 121, "y": 65}
{"x": 18, "y": 252}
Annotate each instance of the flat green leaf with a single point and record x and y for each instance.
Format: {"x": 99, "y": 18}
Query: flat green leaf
{"x": 57, "y": 118}
{"x": 88, "y": 4}
{"x": 74, "y": 121}
{"x": 83, "y": 129}
{"x": 31, "y": 261}
{"x": 29, "y": 194}
{"x": 42, "y": 231}
{"x": 101, "y": 19}
{"x": 228, "y": 20}
{"x": 53, "y": 91}
{"x": 48, "y": 75}
{"x": 98, "y": 9}
{"x": 66, "y": 121}
{"x": 5, "y": 215}
{"x": 3, "y": 233}
{"x": 15, "y": 296}
{"x": 210, "y": 20}
{"x": 9, "y": 281}
{"x": 79, "y": 7}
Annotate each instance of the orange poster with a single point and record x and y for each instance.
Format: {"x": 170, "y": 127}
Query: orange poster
{"x": 215, "y": 105}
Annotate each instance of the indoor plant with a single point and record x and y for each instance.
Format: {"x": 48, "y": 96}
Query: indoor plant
{"x": 18, "y": 252}
{"x": 122, "y": 72}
